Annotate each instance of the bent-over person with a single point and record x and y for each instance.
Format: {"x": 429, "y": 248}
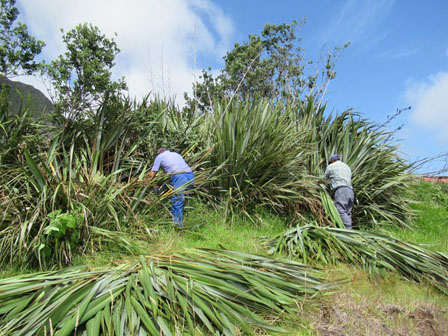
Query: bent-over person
{"x": 181, "y": 176}
{"x": 340, "y": 176}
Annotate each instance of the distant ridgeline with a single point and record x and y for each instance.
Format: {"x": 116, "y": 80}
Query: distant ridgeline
{"x": 39, "y": 102}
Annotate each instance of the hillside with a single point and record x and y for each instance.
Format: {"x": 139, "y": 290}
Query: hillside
{"x": 39, "y": 101}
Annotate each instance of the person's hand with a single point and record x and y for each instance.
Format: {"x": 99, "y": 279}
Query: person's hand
{"x": 322, "y": 181}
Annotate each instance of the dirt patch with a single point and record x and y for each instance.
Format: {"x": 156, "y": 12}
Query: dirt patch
{"x": 345, "y": 315}
{"x": 426, "y": 324}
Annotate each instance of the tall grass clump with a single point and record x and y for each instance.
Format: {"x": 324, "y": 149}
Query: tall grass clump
{"x": 70, "y": 185}
{"x": 57, "y": 205}
{"x": 379, "y": 175}
{"x": 80, "y": 190}
{"x": 263, "y": 153}
{"x": 83, "y": 181}
{"x": 257, "y": 157}
{"x": 18, "y": 130}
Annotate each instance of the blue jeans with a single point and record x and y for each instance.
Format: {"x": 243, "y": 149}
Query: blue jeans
{"x": 180, "y": 183}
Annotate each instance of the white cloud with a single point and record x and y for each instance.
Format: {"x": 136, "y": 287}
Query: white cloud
{"x": 399, "y": 53}
{"x": 429, "y": 101}
{"x": 358, "y": 21}
{"x": 159, "y": 40}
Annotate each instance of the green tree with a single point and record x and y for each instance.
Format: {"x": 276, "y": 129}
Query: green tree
{"x": 81, "y": 76}
{"x": 271, "y": 65}
{"x": 18, "y": 48}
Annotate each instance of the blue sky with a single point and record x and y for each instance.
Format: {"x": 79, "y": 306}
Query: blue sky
{"x": 396, "y": 47}
{"x": 398, "y": 54}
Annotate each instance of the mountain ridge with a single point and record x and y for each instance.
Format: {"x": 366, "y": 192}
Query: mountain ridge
{"x": 40, "y": 104}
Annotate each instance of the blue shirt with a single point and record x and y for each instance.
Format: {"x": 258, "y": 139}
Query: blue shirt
{"x": 171, "y": 163}
{"x": 340, "y": 175}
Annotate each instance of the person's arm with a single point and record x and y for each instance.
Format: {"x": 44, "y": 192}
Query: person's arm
{"x": 155, "y": 168}
{"x": 152, "y": 173}
{"x": 327, "y": 173}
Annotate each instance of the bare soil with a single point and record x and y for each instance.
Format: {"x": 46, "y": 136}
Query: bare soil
{"x": 344, "y": 314}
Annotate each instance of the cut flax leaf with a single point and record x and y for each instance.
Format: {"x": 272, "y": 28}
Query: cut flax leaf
{"x": 330, "y": 209}
{"x": 197, "y": 292}
{"x": 371, "y": 251}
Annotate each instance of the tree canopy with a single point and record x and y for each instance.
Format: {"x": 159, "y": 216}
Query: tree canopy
{"x": 81, "y": 76}
{"x": 18, "y": 49}
{"x": 269, "y": 65}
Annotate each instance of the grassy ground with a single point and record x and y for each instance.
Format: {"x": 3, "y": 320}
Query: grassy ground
{"x": 430, "y": 227}
{"x": 362, "y": 306}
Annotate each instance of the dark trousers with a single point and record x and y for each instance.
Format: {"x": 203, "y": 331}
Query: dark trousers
{"x": 180, "y": 182}
{"x": 343, "y": 200}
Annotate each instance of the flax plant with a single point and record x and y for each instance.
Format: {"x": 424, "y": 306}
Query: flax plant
{"x": 379, "y": 175}
{"x": 200, "y": 292}
{"x": 258, "y": 157}
{"x": 374, "y": 252}
{"x": 83, "y": 188}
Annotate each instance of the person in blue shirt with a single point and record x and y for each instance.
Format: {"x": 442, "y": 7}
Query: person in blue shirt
{"x": 182, "y": 178}
{"x": 340, "y": 176}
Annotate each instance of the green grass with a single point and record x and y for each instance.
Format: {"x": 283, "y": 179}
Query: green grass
{"x": 430, "y": 227}
{"x": 391, "y": 289}
{"x": 207, "y": 228}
